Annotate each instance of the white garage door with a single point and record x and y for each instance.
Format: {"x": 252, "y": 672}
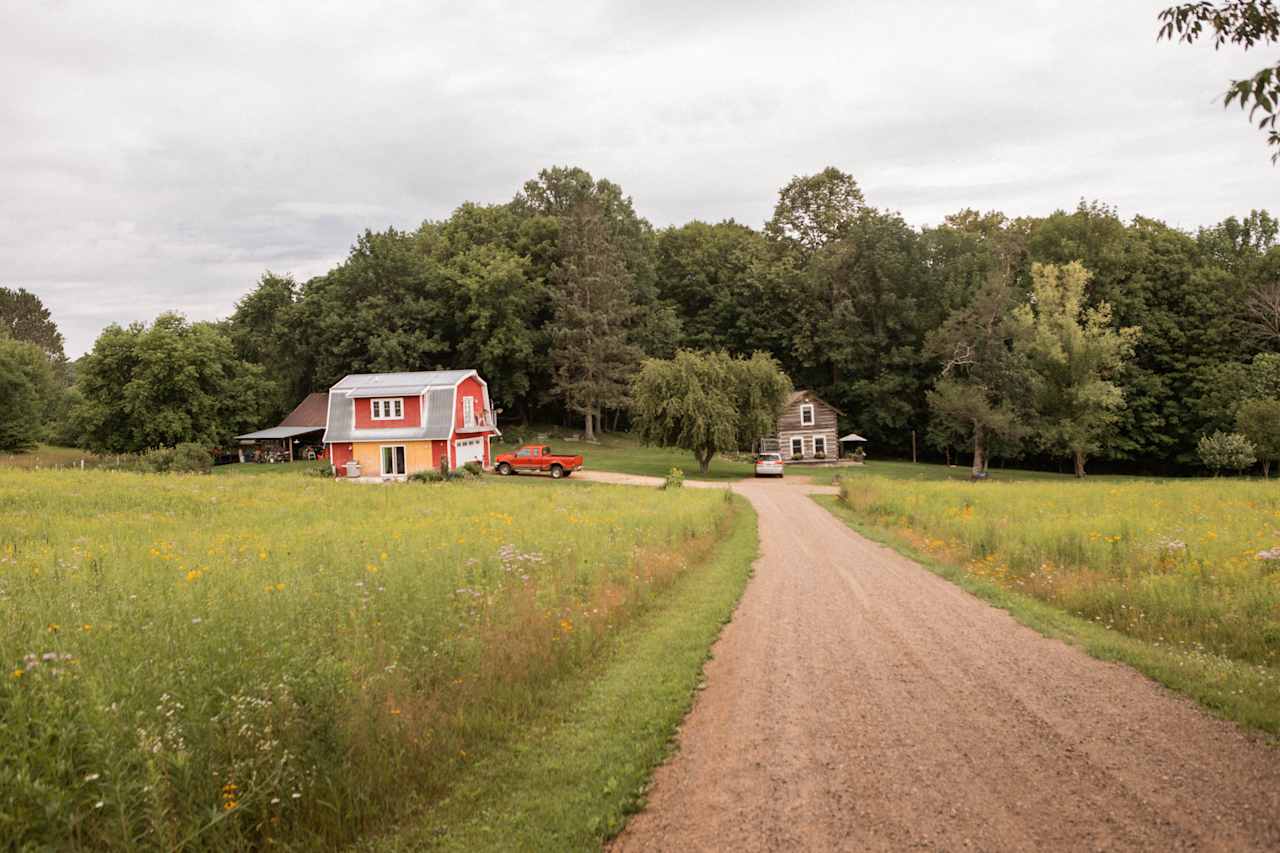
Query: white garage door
{"x": 469, "y": 450}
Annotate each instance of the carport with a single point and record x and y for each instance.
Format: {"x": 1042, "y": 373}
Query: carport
{"x": 280, "y": 439}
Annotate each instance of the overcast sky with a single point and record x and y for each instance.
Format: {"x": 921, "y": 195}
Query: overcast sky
{"x": 160, "y": 156}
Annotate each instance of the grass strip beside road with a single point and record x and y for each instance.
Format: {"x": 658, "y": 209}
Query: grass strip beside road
{"x": 1245, "y": 693}
{"x": 571, "y": 782}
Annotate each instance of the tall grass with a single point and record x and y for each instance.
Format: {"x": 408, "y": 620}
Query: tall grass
{"x": 1182, "y": 563}
{"x": 209, "y": 663}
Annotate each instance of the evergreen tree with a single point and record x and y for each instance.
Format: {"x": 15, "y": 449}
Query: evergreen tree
{"x": 592, "y": 354}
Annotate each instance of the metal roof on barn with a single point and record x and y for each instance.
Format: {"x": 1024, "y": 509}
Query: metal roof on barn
{"x": 437, "y": 385}
{"x": 375, "y": 384}
{"x": 311, "y": 412}
{"x": 278, "y": 432}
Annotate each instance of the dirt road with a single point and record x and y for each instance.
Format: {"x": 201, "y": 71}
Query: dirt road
{"x": 858, "y": 702}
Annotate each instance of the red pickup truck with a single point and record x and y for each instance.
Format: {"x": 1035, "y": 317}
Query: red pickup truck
{"x": 537, "y": 457}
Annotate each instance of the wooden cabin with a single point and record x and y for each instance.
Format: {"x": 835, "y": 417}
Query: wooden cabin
{"x": 808, "y": 430}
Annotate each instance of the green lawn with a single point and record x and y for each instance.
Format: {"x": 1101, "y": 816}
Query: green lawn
{"x": 253, "y": 469}
{"x": 898, "y": 470}
{"x": 623, "y": 454}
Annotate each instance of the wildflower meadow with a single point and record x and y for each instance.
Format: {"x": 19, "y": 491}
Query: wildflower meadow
{"x": 231, "y": 663}
{"x": 1192, "y": 564}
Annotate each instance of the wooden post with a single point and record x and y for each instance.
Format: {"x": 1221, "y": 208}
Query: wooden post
{"x": 913, "y": 446}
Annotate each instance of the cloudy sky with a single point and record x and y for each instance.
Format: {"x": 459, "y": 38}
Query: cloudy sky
{"x": 160, "y": 156}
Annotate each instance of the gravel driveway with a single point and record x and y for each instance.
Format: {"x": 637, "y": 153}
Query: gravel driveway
{"x": 858, "y": 702}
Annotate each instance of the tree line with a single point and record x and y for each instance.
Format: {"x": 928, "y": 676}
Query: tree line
{"x": 1072, "y": 337}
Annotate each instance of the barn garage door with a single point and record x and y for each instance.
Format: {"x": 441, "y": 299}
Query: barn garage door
{"x": 469, "y": 450}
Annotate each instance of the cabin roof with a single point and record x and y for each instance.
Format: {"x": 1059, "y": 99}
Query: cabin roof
{"x": 805, "y": 396}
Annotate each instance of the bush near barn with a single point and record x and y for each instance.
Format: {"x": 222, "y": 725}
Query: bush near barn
{"x": 226, "y": 663}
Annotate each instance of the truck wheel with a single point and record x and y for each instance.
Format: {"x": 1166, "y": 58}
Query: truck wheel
{"x": 504, "y": 469}
{"x": 557, "y": 472}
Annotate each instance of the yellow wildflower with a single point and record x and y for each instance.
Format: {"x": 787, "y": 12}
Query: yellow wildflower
{"x": 194, "y": 575}
{"x": 17, "y": 673}
{"x": 279, "y": 587}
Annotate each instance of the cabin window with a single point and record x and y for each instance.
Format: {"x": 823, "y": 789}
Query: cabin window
{"x": 797, "y": 446}
{"x": 806, "y": 414}
{"x": 819, "y": 445}
{"x": 387, "y": 409}
{"x": 469, "y": 411}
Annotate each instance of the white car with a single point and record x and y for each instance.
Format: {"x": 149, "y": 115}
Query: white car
{"x": 769, "y": 465}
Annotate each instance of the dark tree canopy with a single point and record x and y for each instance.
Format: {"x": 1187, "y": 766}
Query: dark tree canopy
{"x": 165, "y": 384}
{"x": 24, "y": 317}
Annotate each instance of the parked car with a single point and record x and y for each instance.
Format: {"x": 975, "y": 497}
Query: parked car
{"x": 769, "y": 465}
{"x": 537, "y": 457}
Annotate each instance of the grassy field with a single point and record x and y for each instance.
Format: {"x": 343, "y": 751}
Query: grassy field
{"x": 570, "y": 781}
{"x": 253, "y": 469}
{"x": 224, "y": 663}
{"x": 49, "y": 456}
{"x": 1176, "y": 565}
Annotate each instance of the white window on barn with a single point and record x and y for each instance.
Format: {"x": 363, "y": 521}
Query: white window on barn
{"x": 387, "y": 409}
{"x": 797, "y": 446}
{"x": 806, "y": 414}
{"x": 469, "y": 411}
{"x": 819, "y": 445}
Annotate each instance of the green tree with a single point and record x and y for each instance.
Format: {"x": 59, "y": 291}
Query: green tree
{"x": 714, "y": 276}
{"x": 1073, "y": 352}
{"x": 708, "y": 402}
{"x": 385, "y": 308}
{"x": 28, "y": 393}
{"x": 1226, "y": 450}
{"x": 264, "y": 328}
{"x": 592, "y": 353}
{"x": 813, "y": 210}
{"x": 984, "y": 379}
{"x": 1245, "y": 23}
{"x": 24, "y": 317}
{"x": 165, "y": 384}
{"x": 863, "y": 312}
{"x": 1259, "y": 421}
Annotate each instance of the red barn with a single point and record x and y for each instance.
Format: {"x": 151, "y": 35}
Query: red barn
{"x": 393, "y": 424}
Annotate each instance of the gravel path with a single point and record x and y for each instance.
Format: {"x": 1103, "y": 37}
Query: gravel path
{"x": 858, "y": 702}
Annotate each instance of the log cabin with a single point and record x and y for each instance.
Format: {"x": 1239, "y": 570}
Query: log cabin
{"x": 808, "y": 430}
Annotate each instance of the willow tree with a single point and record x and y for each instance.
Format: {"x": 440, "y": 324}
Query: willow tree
{"x": 1073, "y": 352}
{"x": 708, "y": 402}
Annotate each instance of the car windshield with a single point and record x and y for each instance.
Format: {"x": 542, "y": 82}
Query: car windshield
{"x": 770, "y": 457}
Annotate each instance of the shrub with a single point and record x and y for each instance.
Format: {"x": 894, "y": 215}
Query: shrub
{"x": 475, "y": 469}
{"x": 859, "y": 455}
{"x": 1226, "y": 450}
{"x": 674, "y": 480}
{"x": 185, "y": 458}
{"x": 427, "y": 475}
